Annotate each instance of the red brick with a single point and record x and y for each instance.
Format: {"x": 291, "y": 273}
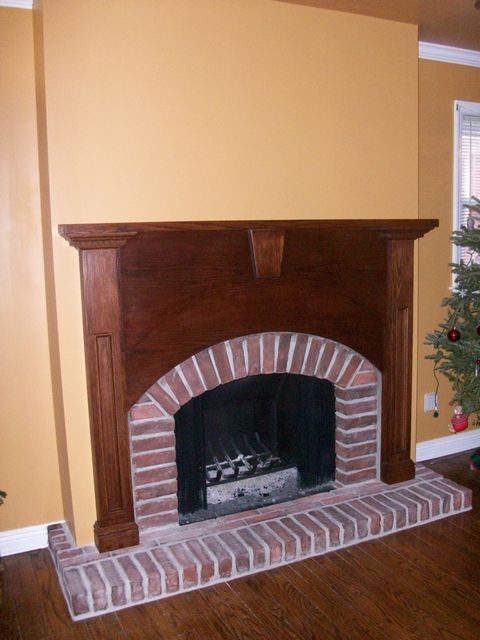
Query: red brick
{"x": 304, "y": 537}
{"x": 158, "y": 505}
{"x": 76, "y": 591}
{"x": 332, "y": 528}
{"x": 152, "y": 427}
{"x": 207, "y": 565}
{"x": 219, "y": 353}
{"x": 239, "y": 365}
{"x": 363, "y": 377}
{"x": 356, "y": 422}
{"x": 346, "y": 378}
{"x": 387, "y": 515}
{"x": 253, "y": 350}
{"x": 360, "y": 520}
{"x": 412, "y": 507}
{"x": 356, "y": 464}
{"x": 153, "y": 574}
{"x": 434, "y": 502}
{"x": 444, "y": 495}
{"x": 357, "y": 407}
{"x": 356, "y": 393}
{"x": 268, "y": 351}
{"x": 162, "y": 441}
{"x": 172, "y": 579}
{"x": 312, "y": 357}
{"x": 207, "y": 369}
{"x": 299, "y": 353}
{"x": 354, "y": 437}
{"x": 355, "y": 450}
{"x": 97, "y": 587}
{"x": 374, "y": 519}
{"x": 156, "y": 490}
{"x": 346, "y": 524}
{"x": 156, "y": 474}
{"x": 134, "y": 577}
{"x": 192, "y": 377}
{"x": 163, "y": 399}
{"x": 115, "y": 582}
{"x": 356, "y": 476}
{"x": 154, "y": 522}
{"x": 284, "y": 342}
{"x": 399, "y": 510}
{"x": 420, "y": 500}
{"x": 275, "y": 546}
{"x": 337, "y": 364}
{"x": 325, "y": 359}
{"x": 316, "y": 530}
{"x": 240, "y": 553}
{"x": 288, "y": 539}
{"x": 222, "y": 556}
{"x": 155, "y": 458}
{"x": 145, "y": 411}
{"x": 256, "y": 547}
{"x": 188, "y": 564}
{"x": 174, "y": 381}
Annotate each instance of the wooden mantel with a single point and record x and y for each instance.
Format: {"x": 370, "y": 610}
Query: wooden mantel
{"x": 154, "y": 294}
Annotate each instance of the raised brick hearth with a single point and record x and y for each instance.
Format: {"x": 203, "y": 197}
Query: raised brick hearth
{"x": 181, "y": 559}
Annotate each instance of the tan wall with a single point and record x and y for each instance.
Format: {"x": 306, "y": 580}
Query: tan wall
{"x": 206, "y": 109}
{"x": 439, "y": 85}
{"x": 28, "y": 453}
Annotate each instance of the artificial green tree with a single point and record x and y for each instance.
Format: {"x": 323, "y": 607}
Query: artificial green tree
{"x": 456, "y": 342}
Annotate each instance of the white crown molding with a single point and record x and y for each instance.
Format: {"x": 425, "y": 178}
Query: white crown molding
{"x": 442, "y": 53}
{"x": 25, "y": 539}
{"x": 456, "y": 443}
{"x": 17, "y": 4}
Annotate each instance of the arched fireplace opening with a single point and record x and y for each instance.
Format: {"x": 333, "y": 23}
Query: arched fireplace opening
{"x": 253, "y": 442}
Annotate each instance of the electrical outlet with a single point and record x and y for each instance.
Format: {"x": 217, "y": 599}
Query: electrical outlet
{"x": 429, "y": 402}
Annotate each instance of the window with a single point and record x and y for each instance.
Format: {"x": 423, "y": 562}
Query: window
{"x": 466, "y": 165}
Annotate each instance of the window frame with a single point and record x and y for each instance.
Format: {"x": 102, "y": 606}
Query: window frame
{"x": 461, "y": 108}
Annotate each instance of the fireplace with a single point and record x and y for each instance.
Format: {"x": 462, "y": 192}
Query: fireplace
{"x": 308, "y": 407}
{"x": 174, "y": 309}
{"x": 253, "y": 442}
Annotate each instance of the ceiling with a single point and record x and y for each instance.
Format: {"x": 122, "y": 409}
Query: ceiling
{"x": 455, "y": 23}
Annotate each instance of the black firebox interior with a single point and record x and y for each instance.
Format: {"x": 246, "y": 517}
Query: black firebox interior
{"x": 251, "y": 427}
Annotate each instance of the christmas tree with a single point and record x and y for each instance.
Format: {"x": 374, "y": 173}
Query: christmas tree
{"x": 456, "y": 342}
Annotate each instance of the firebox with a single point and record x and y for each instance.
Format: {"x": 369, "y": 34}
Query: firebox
{"x": 253, "y": 442}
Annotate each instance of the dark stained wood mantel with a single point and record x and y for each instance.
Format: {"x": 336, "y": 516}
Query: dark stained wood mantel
{"x": 154, "y": 294}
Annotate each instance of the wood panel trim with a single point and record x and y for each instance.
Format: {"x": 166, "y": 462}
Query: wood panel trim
{"x": 115, "y": 526}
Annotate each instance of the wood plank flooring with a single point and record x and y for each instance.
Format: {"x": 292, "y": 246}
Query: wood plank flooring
{"x": 420, "y": 584}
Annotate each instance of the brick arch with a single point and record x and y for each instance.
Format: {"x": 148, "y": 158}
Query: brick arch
{"x": 152, "y": 423}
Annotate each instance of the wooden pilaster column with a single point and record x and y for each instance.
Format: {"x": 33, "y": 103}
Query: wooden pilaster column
{"x": 396, "y": 465}
{"x": 115, "y": 526}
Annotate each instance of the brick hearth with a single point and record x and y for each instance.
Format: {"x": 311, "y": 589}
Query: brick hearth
{"x": 172, "y": 558}
{"x": 178, "y": 559}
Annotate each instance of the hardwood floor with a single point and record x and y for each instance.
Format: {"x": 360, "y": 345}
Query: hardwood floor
{"x": 419, "y": 584}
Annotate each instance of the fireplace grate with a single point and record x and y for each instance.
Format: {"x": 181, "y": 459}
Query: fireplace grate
{"x": 235, "y": 456}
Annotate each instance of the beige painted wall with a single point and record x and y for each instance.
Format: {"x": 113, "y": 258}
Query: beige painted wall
{"x": 28, "y": 452}
{"x": 206, "y": 109}
{"x": 439, "y": 85}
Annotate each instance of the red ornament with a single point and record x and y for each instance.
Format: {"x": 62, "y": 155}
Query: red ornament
{"x": 453, "y": 335}
{"x": 459, "y": 421}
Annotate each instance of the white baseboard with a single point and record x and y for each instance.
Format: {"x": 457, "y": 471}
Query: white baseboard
{"x": 25, "y": 539}
{"x": 456, "y": 443}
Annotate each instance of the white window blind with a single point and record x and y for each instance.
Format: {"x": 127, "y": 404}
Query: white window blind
{"x": 467, "y": 164}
